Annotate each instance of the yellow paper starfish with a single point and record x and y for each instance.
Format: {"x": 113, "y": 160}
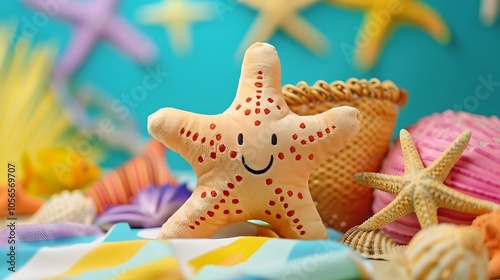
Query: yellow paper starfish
{"x": 282, "y": 14}
{"x": 178, "y": 16}
{"x": 421, "y": 190}
{"x": 383, "y": 16}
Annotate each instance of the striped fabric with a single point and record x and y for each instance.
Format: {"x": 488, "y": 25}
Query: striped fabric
{"x": 125, "y": 253}
{"x": 122, "y": 184}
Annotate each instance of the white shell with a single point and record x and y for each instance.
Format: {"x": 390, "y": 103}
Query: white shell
{"x": 65, "y": 207}
{"x": 447, "y": 251}
{"x": 374, "y": 244}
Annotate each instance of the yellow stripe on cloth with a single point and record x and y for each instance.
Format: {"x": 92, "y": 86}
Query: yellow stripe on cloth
{"x": 235, "y": 253}
{"x": 167, "y": 268}
{"x": 105, "y": 255}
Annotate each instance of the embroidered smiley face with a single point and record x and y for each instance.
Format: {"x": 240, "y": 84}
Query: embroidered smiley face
{"x": 274, "y": 141}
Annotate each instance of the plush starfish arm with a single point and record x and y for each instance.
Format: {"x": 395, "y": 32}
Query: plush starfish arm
{"x": 306, "y": 34}
{"x": 260, "y": 31}
{"x": 336, "y": 126}
{"x": 71, "y": 11}
{"x": 358, "y": 4}
{"x": 396, "y": 209}
{"x": 442, "y": 166}
{"x": 368, "y": 48}
{"x": 387, "y": 183}
{"x": 197, "y": 217}
{"x": 78, "y": 50}
{"x": 427, "y": 18}
{"x": 130, "y": 40}
{"x": 178, "y": 130}
{"x": 488, "y": 13}
{"x": 460, "y": 202}
{"x": 410, "y": 153}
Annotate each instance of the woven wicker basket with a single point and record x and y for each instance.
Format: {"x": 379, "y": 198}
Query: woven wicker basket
{"x": 342, "y": 202}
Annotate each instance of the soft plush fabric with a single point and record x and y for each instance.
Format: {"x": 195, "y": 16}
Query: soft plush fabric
{"x": 123, "y": 254}
{"x": 253, "y": 161}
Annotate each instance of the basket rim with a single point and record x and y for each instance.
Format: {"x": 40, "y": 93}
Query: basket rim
{"x": 340, "y": 91}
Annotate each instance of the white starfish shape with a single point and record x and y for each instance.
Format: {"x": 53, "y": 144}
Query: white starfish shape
{"x": 488, "y": 11}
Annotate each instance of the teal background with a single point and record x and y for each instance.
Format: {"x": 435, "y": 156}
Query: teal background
{"x": 437, "y": 77}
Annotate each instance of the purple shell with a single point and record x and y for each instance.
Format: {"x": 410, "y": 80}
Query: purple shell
{"x": 150, "y": 208}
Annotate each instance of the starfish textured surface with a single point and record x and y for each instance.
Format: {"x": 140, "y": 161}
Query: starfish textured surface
{"x": 421, "y": 190}
{"x": 383, "y": 16}
{"x": 177, "y": 16}
{"x": 253, "y": 161}
{"x": 489, "y": 11}
{"x": 283, "y": 14}
{"x": 95, "y": 20}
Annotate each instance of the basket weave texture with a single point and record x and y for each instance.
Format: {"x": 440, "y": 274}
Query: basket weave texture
{"x": 341, "y": 202}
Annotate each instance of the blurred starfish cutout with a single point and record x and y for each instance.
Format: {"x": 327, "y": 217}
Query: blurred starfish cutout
{"x": 95, "y": 20}
{"x": 421, "y": 190}
{"x": 489, "y": 11}
{"x": 381, "y": 19}
{"x": 178, "y": 16}
{"x": 283, "y": 14}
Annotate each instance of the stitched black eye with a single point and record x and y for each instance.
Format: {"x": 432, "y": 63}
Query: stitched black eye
{"x": 240, "y": 139}
{"x": 274, "y": 139}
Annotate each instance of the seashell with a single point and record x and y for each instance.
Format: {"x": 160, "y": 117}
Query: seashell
{"x": 489, "y": 225}
{"x": 476, "y": 174}
{"x": 373, "y": 244}
{"x": 446, "y": 251}
{"x": 66, "y": 207}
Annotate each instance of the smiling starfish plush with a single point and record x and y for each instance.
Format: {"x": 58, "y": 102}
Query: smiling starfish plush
{"x": 253, "y": 161}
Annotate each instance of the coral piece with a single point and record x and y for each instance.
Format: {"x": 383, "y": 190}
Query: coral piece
{"x": 342, "y": 202}
{"x": 119, "y": 186}
{"x": 25, "y": 204}
{"x": 476, "y": 173}
{"x": 65, "y": 207}
{"x": 150, "y": 208}
{"x": 177, "y": 16}
{"x": 283, "y": 14}
{"x": 253, "y": 160}
{"x": 489, "y": 225}
{"x": 386, "y": 15}
{"x": 374, "y": 244}
{"x": 421, "y": 190}
{"x": 446, "y": 252}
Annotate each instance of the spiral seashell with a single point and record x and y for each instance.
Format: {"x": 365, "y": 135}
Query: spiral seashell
{"x": 446, "y": 251}
{"x": 373, "y": 244}
{"x": 66, "y": 206}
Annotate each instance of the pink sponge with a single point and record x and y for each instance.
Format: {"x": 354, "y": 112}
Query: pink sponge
{"x": 477, "y": 172}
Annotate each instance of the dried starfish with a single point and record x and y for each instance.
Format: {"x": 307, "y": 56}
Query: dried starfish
{"x": 253, "y": 161}
{"x": 421, "y": 190}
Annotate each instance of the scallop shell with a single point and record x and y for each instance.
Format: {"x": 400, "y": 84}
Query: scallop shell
{"x": 489, "y": 225}
{"x": 373, "y": 244}
{"x": 476, "y": 173}
{"x": 446, "y": 251}
{"x": 66, "y": 207}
